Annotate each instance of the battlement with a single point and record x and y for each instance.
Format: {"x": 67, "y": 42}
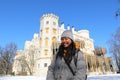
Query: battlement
{"x": 49, "y": 15}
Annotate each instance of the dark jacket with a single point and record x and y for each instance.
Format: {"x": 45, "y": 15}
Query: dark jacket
{"x": 59, "y": 70}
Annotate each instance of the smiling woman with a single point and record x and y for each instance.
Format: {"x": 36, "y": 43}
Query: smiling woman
{"x": 66, "y": 38}
{"x": 63, "y": 66}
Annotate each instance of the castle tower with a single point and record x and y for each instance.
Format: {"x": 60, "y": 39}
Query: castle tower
{"x": 48, "y": 33}
{"x": 48, "y": 38}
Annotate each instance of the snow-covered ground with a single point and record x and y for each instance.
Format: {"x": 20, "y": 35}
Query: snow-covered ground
{"x": 104, "y": 77}
{"x": 21, "y": 78}
{"x": 98, "y": 77}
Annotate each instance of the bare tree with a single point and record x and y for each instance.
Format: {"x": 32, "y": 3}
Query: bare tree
{"x": 1, "y": 54}
{"x": 30, "y": 61}
{"x": 115, "y": 47}
{"x": 117, "y": 13}
{"x": 27, "y": 60}
{"x": 7, "y": 58}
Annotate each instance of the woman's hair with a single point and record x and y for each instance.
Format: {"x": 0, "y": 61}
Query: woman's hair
{"x": 71, "y": 50}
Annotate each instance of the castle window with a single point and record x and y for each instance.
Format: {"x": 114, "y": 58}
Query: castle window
{"x": 46, "y": 42}
{"x": 54, "y": 31}
{"x": 41, "y": 32}
{"x": 47, "y": 22}
{"x": 54, "y": 23}
{"x": 54, "y": 39}
{"x": 90, "y": 45}
{"x": 45, "y": 64}
{"x": 38, "y": 65}
{"x": 46, "y": 52}
{"x": 47, "y": 30}
{"x": 82, "y": 44}
{"x": 40, "y": 42}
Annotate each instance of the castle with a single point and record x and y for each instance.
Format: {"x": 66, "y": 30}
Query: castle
{"x": 38, "y": 53}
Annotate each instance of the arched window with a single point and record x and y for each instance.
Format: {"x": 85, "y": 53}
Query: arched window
{"x": 46, "y": 42}
{"x": 82, "y": 44}
{"x": 40, "y": 42}
{"x": 54, "y": 45}
{"x": 46, "y": 52}
{"x": 54, "y": 40}
{"x": 54, "y": 31}
{"x": 47, "y": 30}
{"x": 90, "y": 45}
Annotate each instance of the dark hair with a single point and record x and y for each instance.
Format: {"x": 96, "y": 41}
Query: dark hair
{"x": 71, "y": 50}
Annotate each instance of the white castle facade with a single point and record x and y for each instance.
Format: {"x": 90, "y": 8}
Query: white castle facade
{"x": 38, "y": 53}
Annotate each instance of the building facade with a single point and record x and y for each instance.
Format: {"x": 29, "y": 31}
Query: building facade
{"x": 38, "y": 53}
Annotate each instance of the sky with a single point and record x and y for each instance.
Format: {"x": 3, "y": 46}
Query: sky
{"x": 20, "y": 19}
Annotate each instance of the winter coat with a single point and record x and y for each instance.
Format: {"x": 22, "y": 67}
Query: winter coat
{"x": 59, "y": 70}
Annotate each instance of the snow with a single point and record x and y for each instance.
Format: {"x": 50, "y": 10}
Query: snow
{"x": 93, "y": 77}
{"x": 104, "y": 77}
{"x": 22, "y": 78}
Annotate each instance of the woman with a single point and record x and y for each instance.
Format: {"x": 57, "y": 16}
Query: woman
{"x": 64, "y": 65}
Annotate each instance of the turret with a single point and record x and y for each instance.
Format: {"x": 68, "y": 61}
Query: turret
{"x": 48, "y": 32}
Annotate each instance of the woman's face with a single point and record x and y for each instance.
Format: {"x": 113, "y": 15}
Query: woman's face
{"x": 66, "y": 41}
